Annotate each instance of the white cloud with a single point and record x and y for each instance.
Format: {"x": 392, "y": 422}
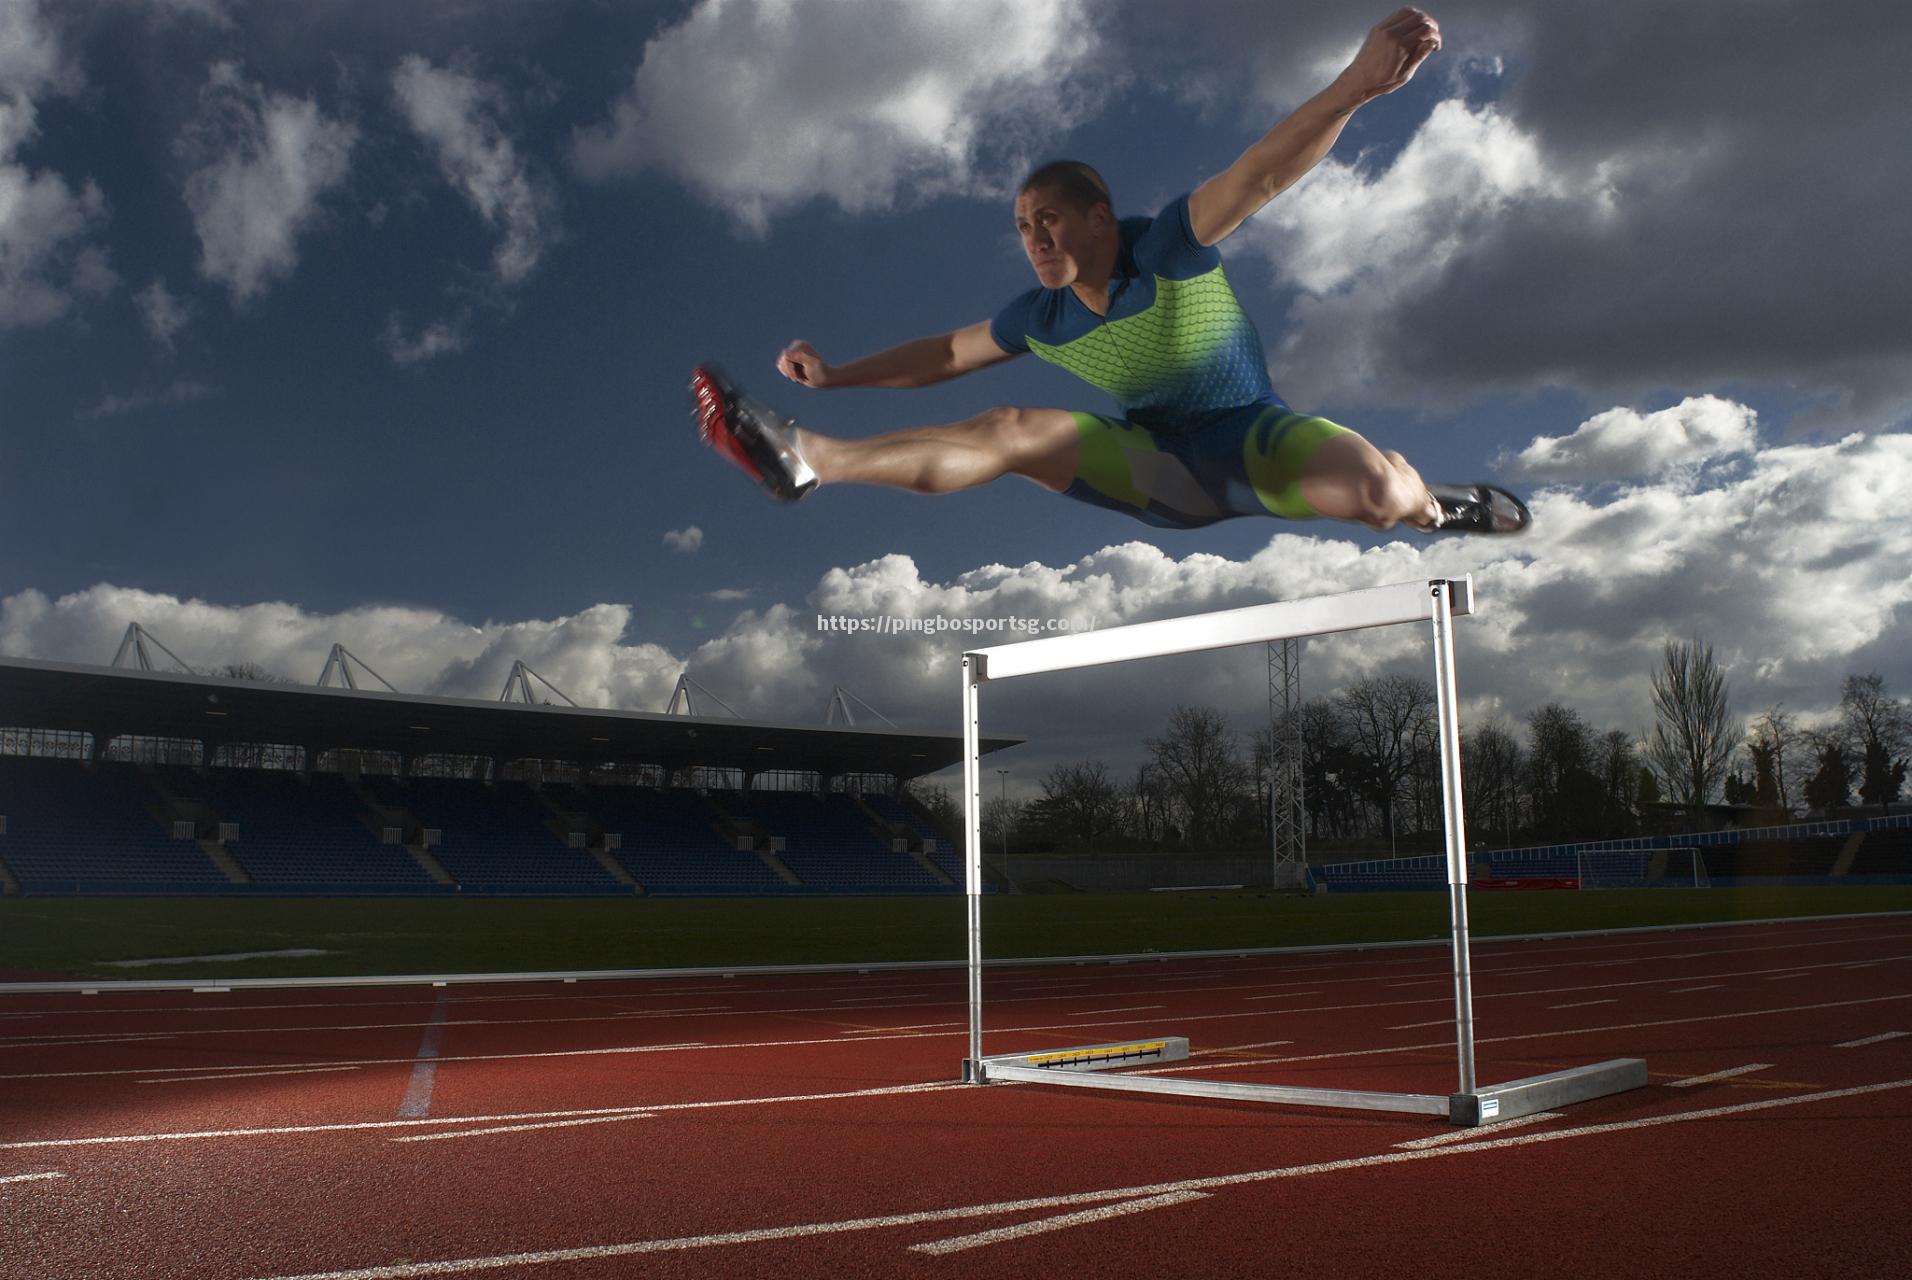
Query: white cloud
{"x": 459, "y": 117}
{"x": 47, "y": 262}
{"x": 274, "y": 158}
{"x": 181, "y": 392}
{"x": 1792, "y": 563}
{"x": 437, "y": 338}
{"x": 418, "y": 650}
{"x": 762, "y": 105}
{"x": 685, "y": 541}
{"x": 163, "y": 314}
{"x": 1624, "y": 444}
{"x": 1358, "y": 242}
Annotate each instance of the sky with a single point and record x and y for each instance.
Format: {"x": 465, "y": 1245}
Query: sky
{"x": 371, "y": 323}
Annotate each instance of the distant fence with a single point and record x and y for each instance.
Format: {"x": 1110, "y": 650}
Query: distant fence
{"x": 1564, "y": 863}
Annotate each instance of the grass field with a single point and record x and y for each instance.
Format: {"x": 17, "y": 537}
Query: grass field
{"x": 79, "y": 937}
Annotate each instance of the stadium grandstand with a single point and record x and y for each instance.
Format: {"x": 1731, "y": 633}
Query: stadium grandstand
{"x": 117, "y": 781}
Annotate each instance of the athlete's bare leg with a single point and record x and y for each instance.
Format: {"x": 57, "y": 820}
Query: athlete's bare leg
{"x": 1347, "y": 478}
{"x": 1041, "y": 444}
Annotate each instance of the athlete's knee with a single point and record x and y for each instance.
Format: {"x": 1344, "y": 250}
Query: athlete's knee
{"x": 1038, "y": 443}
{"x": 1385, "y": 486}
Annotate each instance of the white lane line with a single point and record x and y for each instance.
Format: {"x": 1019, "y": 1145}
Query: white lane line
{"x": 1727, "y": 1074}
{"x": 896, "y": 995}
{"x": 1237, "y": 1048}
{"x": 954, "y": 999}
{"x": 1079, "y": 1218}
{"x": 1419, "y": 982}
{"x": 29, "y": 1177}
{"x": 1468, "y": 1135}
{"x": 407, "y": 1062}
{"x": 245, "y": 1075}
{"x": 46, "y": 1040}
{"x": 454, "y": 1266}
{"x": 521, "y": 1128}
{"x": 1284, "y": 995}
{"x": 841, "y": 1038}
{"x": 1711, "y": 986}
{"x": 1127, "y": 1008}
{"x": 1562, "y": 1033}
{"x": 417, "y": 1101}
{"x": 1581, "y": 1004}
{"x": 1866, "y": 964}
{"x": 1781, "y": 977}
{"x": 1881, "y": 1038}
{"x": 370, "y": 1125}
{"x": 1416, "y": 1026}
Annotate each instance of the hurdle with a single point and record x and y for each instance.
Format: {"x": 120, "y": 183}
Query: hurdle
{"x": 1437, "y": 603}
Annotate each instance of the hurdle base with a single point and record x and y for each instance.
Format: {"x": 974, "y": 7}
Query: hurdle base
{"x": 1543, "y": 1093}
{"x": 1082, "y": 1067}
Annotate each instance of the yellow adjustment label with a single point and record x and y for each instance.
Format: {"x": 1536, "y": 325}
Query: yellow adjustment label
{"x": 1092, "y": 1055}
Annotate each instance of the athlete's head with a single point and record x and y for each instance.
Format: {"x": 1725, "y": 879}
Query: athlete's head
{"x": 1066, "y": 221}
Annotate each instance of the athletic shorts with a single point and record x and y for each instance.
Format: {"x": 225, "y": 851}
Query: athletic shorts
{"x": 1237, "y": 462}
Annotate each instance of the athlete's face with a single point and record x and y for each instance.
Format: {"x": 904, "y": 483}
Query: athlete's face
{"x": 1059, "y": 237}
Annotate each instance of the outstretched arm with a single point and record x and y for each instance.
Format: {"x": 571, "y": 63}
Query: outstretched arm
{"x": 1388, "y": 58}
{"x": 913, "y": 364}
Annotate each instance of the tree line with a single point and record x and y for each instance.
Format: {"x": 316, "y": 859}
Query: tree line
{"x": 1371, "y": 771}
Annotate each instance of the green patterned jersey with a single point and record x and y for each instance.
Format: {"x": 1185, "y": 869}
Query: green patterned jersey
{"x": 1175, "y": 346}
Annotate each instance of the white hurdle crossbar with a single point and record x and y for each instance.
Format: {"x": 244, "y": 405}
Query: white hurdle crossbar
{"x": 1436, "y": 602}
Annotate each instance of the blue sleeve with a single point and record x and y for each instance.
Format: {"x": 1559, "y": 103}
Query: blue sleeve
{"x": 1169, "y": 248}
{"x": 1010, "y": 328}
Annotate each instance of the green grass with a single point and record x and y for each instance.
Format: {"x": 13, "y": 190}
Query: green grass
{"x": 396, "y": 936}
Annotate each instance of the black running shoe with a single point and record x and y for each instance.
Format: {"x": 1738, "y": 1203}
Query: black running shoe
{"x": 756, "y": 439}
{"x": 1478, "y": 508}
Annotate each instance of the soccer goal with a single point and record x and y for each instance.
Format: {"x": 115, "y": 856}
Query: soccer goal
{"x": 1435, "y": 603}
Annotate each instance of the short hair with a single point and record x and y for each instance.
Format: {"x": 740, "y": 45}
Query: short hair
{"x": 1076, "y": 182}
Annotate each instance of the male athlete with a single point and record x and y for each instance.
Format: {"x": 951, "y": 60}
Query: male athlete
{"x": 1140, "y": 308}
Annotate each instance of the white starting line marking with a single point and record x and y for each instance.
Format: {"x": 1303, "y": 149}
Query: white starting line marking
{"x": 1727, "y": 1074}
{"x": 1078, "y": 1218}
{"x": 1581, "y": 1004}
{"x": 1881, "y": 1038}
{"x": 243, "y": 1075}
{"x": 454, "y": 1266}
{"x": 1468, "y": 1135}
{"x": 1711, "y": 986}
{"x": 29, "y": 1177}
{"x": 521, "y": 1128}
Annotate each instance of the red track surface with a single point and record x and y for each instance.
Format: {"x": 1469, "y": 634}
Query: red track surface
{"x": 808, "y": 1126}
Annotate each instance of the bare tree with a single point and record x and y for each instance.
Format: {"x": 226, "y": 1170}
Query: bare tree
{"x": 1148, "y": 803}
{"x": 1562, "y": 758}
{"x": 1776, "y": 739}
{"x": 1197, "y": 759}
{"x": 1695, "y": 736}
{"x": 1389, "y": 720}
{"x": 1620, "y": 773}
{"x": 1878, "y": 727}
{"x": 1491, "y": 780}
{"x": 1079, "y": 801}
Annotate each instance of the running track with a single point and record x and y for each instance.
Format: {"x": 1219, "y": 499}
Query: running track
{"x": 808, "y": 1126}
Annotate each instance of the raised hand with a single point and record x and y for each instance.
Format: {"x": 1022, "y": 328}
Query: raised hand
{"x": 1392, "y": 53}
{"x": 800, "y": 362}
